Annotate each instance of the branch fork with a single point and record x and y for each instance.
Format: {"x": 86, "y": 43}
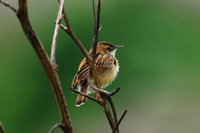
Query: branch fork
{"x": 50, "y": 66}
{"x": 22, "y": 15}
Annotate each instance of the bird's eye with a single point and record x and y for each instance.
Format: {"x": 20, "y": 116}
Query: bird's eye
{"x": 109, "y": 48}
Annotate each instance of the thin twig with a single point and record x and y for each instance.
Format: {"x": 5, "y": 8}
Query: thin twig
{"x": 95, "y": 40}
{"x": 121, "y": 118}
{"x": 54, "y": 127}
{"x": 101, "y": 27}
{"x": 107, "y": 95}
{"x": 108, "y": 115}
{"x": 96, "y": 28}
{"x": 104, "y": 92}
{"x": 82, "y": 48}
{"x": 58, "y": 21}
{"x": 80, "y": 45}
{"x": 2, "y": 130}
{"x": 95, "y": 20}
{"x": 74, "y": 37}
{"x": 113, "y": 106}
{"x": 113, "y": 109}
{"x": 88, "y": 96}
{"x": 69, "y": 30}
{"x": 113, "y": 92}
{"x": 63, "y": 27}
{"x": 9, "y": 6}
{"x": 54, "y": 42}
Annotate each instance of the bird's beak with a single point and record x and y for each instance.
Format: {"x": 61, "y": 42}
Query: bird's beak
{"x": 119, "y": 46}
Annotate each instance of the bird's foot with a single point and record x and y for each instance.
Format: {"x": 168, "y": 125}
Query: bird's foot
{"x": 98, "y": 96}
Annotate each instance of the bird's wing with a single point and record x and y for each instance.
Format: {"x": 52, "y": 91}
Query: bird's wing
{"x": 74, "y": 82}
{"x": 102, "y": 62}
{"x": 82, "y": 73}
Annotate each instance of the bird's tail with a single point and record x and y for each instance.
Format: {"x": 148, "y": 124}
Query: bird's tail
{"x": 81, "y": 99}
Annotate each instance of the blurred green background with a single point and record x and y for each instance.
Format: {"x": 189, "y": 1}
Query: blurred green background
{"x": 159, "y": 66}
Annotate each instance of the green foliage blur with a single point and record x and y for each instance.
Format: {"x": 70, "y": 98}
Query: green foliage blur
{"x": 159, "y": 66}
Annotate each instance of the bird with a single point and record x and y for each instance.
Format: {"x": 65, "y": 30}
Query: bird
{"x": 107, "y": 68}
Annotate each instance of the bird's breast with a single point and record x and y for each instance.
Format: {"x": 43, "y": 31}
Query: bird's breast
{"x": 108, "y": 76}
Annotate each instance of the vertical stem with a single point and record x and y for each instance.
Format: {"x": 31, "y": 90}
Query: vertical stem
{"x": 96, "y": 28}
{"x": 120, "y": 120}
{"x": 114, "y": 112}
{"x": 94, "y": 13}
{"x": 54, "y": 41}
{"x": 22, "y": 14}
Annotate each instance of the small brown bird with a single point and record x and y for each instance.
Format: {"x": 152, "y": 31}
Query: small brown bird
{"x": 107, "y": 68}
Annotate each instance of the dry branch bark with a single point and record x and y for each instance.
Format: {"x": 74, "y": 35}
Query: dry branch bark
{"x": 55, "y": 35}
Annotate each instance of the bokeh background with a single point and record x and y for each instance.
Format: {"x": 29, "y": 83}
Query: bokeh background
{"x": 159, "y": 66}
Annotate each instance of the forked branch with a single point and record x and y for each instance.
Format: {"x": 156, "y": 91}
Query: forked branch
{"x": 54, "y": 127}
{"x": 22, "y": 14}
{"x": 88, "y": 96}
{"x": 49, "y": 65}
{"x": 9, "y": 6}
{"x": 120, "y": 120}
{"x": 105, "y": 94}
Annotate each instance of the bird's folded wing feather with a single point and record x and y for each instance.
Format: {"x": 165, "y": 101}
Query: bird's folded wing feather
{"x": 102, "y": 61}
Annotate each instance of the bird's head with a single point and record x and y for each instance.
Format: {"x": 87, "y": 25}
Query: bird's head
{"x": 108, "y": 48}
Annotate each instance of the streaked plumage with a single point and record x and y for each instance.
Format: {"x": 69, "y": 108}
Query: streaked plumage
{"x": 107, "y": 68}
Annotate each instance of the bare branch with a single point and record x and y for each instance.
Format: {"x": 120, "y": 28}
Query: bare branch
{"x": 94, "y": 13}
{"x": 9, "y": 6}
{"x": 63, "y": 27}
{"x": 2, "y": 130}
{"x": 96, "y": 28}
{"x": 74, "y": 37}
{"x": 82, "y": 48}
{"x": 54, "y": 42}
{"x": 117, "y": 125}
{"x": 113, "y": 110}
{"x": 22, "y": 15}
{"x": 94, "y": 43}
{"x": 48, "y": 64}
{"x": 54, "y": 127}
{"x": 113, "y": 92}
{"x": 88, "y": 96}
{"x": 98, "y": 14}
{"x": 113, "y": 106}
{"x": 108, "y": 114}
{"x": 108, "y": 97}
{"x": 104, "y": 92}
{"x": 101, "y": 27}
